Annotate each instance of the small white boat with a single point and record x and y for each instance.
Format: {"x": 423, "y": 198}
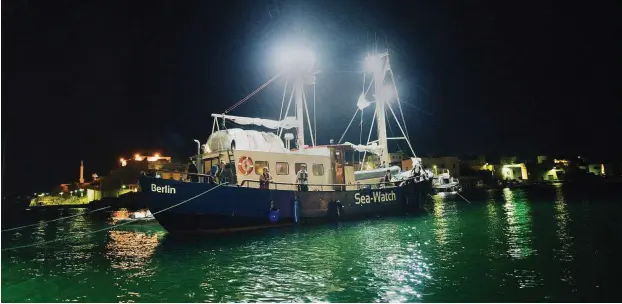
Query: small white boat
{"x": 445, "y": 183}
{"x": 137, "y": 217}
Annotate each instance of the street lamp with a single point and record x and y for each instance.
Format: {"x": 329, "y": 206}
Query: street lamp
{"x": 199, "y": 168}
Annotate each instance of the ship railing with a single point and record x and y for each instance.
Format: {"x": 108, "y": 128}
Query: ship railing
{"x": 208, "y": 178}
{"x": 330, "y": 187}
{"x": 250, "y": 183}
{"x": 183, "y": 176}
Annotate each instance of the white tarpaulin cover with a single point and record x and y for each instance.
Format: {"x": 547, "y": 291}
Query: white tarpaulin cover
{"x": 373, "y": 148}
{"x": 245, "y": 140}
{"x": 362, "y": 103}
{"x": 287, "y": 123}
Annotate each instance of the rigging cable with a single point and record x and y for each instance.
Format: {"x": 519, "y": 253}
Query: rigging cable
{"x": 291, "y": 96}
{"x": 364, "y": 94}
{"x": 283, "y": 101}
{"x": 306, "y": 109}
{"x": 393, "y": 135}
{"x": 314, "y": 113}
{"x": 54, "y": 220}
{"x": 351, "y": 120}
{"x": 373, "y": 120}
{"x": 111, "y": 227}
{"x": 399, "y": 102}
{"x": 400, "y": 126}
{"x": 361, "y": 133}
{"x": 253, "y": 93}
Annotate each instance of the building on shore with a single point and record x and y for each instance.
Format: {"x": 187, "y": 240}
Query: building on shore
{"x": 440, "y": 165}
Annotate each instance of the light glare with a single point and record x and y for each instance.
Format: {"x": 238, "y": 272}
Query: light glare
{"x": 295, "y": 57}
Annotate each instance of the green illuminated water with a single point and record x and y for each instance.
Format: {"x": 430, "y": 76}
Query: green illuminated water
{"x": 557, "y": 244}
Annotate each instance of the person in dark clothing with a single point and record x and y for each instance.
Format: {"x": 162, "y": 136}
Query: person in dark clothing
{"x": 225, "y": 176}
{"x": 192, "y": 170}
{"x": 265, "y": 178}
{"x": 387, "y": 178}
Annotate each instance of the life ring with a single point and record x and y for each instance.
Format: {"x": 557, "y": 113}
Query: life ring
{"x": 245, "y": 165}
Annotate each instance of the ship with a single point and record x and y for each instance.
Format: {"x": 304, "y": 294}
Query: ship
{"x": 229, "y": 194}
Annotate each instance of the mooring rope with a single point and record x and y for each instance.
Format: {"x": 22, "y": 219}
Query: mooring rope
{"x": 463, "y": 197}
{"x": 54, "y": 220}
{"x": 111, "y": 227}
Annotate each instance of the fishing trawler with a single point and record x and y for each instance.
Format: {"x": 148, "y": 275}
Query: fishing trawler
{"x": 239, "y": 199}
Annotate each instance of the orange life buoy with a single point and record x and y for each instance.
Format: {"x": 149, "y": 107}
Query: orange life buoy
{"x": 245, "y": 165}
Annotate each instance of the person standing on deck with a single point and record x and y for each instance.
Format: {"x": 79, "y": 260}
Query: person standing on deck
{"x": 192, "y": 170}
{"x": 302, "y": 178}
{"x": 387, "y": 178}
{"x": 225, "y": 176}
{"x": 265, "y": 178}
{"x": 221, "y": 168}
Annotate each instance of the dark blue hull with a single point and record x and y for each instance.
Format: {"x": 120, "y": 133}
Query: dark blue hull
{"x": 230, "y": 208}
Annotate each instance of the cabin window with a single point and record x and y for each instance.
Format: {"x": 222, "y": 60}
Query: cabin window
{"x": 282, "y": 168}
{"x": 259, "y": 165}
{"x": 318, "y": 169}
{"x": 298, "y": 165}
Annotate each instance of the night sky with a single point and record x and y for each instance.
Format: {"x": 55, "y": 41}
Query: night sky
{"x": 97, "y": 80}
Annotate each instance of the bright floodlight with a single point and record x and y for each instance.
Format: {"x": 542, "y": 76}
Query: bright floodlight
{"x": 373, "y": 64}
{"x": 295, "y": 57}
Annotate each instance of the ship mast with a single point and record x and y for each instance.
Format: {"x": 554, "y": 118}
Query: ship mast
{"x": 299, "y": 65}
{"x": 379, "y": 65}
{"x": 381, "y": 99}
{"x": 298, "y": 91}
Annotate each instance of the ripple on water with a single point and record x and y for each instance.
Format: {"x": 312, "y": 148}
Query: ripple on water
{"x": 504, "y": 245}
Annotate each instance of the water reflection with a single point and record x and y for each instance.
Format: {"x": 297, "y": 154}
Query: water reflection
{"x": 440, "y": 220}
{"x": 519, "y": 235}
{"x": 443, "y": 256}
{"x": 495, "y": 227}
{"x": 445, "y": 218}
{"x": 79, "y": 246}
{"x": 397, "y": 263}
{"x": 562, "y": 219}
{"x": 518, "y": 231}
{"x": 129, "y": 250}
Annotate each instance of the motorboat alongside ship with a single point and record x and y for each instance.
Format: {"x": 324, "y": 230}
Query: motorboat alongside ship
{"x": 444, "y": 183}
{"x": 142, "y": 217}
{"x": 331, "y": 189}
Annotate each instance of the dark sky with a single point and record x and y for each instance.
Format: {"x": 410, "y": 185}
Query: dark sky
{"x": 97, "y": 80}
